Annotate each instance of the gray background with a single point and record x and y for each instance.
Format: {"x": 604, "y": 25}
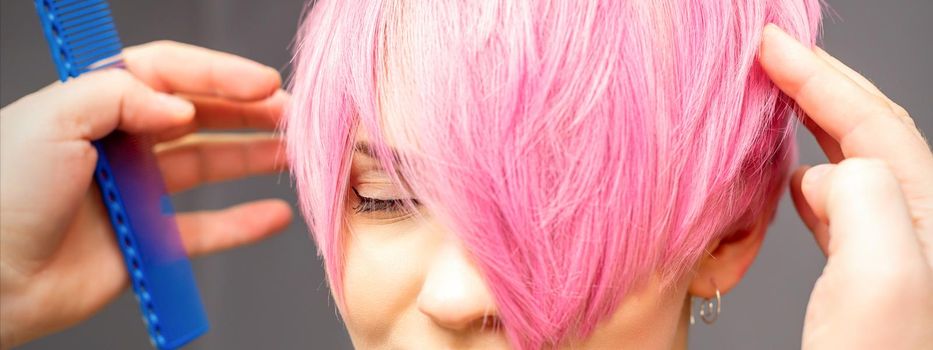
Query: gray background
{"x": 272, "y": 295}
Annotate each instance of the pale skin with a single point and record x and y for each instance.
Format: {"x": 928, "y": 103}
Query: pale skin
{"x": 870, "y": 210}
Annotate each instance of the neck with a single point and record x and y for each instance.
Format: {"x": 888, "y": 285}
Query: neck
{"x": 683, "y": 326}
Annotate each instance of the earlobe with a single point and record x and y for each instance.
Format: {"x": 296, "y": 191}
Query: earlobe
{"x": 729, "y": 257}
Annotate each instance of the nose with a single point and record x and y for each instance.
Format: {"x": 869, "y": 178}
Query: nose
{"x": 454, "y": 295}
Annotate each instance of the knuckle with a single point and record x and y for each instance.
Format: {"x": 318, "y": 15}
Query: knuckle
{"x": 903, "y": 115}
{"x": 861, "y": 173}
{"x": 882, "y": 107}
{"x": 911, "y": 126}
{"x": 110, "y": 77}
{"x": 899, "y": 111}
{"x": 854, "y": 166}
{"x": 148, "y": 52}
{"x": 158, "y": 45}
{"x": 86, "y": 153}
{"x": 909, "y": 122}
{"x": 112, "y": 83}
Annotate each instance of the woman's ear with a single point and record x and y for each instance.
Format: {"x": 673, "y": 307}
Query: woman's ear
{"x": 730, "y": 256}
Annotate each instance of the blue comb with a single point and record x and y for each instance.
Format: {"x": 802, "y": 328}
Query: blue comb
{"x": 83, "y": 38}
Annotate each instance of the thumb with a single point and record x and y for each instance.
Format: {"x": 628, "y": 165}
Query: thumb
{"x": 93, "y": 105}
{"x": 866, "y": 212}
{"x": 874, "y": 291}
{"x": 817, "y": 226}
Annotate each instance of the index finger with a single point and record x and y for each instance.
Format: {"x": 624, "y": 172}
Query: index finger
{"x": 180, "y": 68}
{"x": 861, "y": 122}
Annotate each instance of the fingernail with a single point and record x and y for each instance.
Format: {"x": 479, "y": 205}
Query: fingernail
{"x": 770, "y": 27}
{"x": 175, "y": 105}
{"x": 814, "y": 176}
{"x": 777, "y": 33}
{"x": 275, "y": 74}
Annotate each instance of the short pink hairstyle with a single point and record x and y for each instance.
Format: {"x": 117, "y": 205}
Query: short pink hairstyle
{"x": 575, "y": 147}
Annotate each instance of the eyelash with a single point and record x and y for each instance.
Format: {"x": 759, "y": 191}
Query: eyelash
{"x": 368, "y": 205}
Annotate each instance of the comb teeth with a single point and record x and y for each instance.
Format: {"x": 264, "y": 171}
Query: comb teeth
{"x": 83, "y": 35}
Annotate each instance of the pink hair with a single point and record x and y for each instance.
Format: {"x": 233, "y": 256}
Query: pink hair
{"x": 575, "y": 147}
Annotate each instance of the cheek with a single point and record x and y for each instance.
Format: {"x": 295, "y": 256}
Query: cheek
{"x": 384, "y": 270}
{"x": 646, "y": 319}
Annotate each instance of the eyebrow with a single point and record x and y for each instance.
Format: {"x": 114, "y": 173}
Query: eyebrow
{"x": 367, "y": 149}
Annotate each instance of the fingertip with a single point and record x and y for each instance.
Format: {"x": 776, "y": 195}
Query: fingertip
{"x": 276, "y": 79}
{"x": 795, "y": 192}
{"x": 280, "y": 97}
{"x": 180, "y": 110}
{"x": 268, "y": 82}
{"x": 769, "y": 35}
{"x": 279, "y": 211}
{"x": 157, "y": 112}
{"x": 771, "y": 29}
{"x": 812, "y": 186}
{"x": 797, "y": 177}
{"x": 286, "y": 210}
{"x": 250, "y": 80}
{"x": 275, "y": 106}
{"x": 796, "y": 180}
{"x": 280, "y": 160}
{"x": 814, "y": 223}
{"x": 813, "y": 177}
{"x": 780, "y": 54}
{"x": 773, "y": 33}
{"x": 766, "y": 49}
{"x": 279, "y": 205}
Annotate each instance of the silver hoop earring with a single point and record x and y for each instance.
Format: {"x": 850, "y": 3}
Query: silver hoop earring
{"x": 708, "y": 308}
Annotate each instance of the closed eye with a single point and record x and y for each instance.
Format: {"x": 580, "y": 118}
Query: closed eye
{"x": 369, "y": 205}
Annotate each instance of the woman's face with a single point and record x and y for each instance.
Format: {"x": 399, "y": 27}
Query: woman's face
{"x": 409, "y": 283}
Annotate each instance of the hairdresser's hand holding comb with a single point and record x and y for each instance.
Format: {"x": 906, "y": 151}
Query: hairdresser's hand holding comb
{"x": 870, "y": 210}
{"x": 59, "y": 261}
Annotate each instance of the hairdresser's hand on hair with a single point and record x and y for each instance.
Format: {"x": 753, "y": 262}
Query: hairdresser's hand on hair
{"x": 870, "y": 210}
{"x": 59, "y": 261}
